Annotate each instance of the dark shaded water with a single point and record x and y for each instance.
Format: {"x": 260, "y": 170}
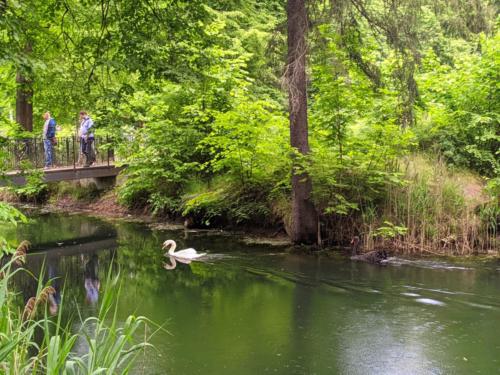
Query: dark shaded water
{"x": 256, "y": 310}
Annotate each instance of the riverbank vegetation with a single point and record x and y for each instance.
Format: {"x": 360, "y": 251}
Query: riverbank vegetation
{"x": 402, "y": 109}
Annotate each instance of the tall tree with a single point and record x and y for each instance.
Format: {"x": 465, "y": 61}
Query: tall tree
{"x": 12, "y": 48}
{"x": 304, "y": 225}
{"x": 24, "y": 96}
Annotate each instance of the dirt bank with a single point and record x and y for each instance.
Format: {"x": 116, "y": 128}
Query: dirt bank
{"x": 104, "y": 206}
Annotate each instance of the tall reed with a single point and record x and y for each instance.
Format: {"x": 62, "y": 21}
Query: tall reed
{"x": 444, "y": 212}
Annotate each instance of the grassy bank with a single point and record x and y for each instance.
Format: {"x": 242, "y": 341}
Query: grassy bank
{"x": 426, "y": 208}
{"x": 436, "y": 210}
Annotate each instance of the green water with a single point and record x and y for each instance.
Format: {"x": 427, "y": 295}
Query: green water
{"x": 257, "y": 310}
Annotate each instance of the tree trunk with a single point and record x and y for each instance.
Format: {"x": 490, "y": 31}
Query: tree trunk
{"x": 304, "y": 225}
{"x": 24, "y": 107}
{"x": 24, "y": 95}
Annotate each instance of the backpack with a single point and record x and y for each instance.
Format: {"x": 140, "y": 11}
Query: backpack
{"x": 51, "y": 129}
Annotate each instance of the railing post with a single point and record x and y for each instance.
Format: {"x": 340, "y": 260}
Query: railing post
{"x": 54, "y": 160}
{"x": 67, "y": 152}
{"x": 94, "y": 152}
{"x": 35, "y": 152}
{"x": 74, "y": 156}
{"x": 12, "y": 155}
{"x": 107, "y": 148}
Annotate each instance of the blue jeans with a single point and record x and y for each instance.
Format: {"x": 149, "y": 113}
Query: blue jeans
{"x": 47, "y": 145}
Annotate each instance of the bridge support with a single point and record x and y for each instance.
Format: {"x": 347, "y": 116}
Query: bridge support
{"x": 100, "y": 183}
{"x": 104, "y": 183}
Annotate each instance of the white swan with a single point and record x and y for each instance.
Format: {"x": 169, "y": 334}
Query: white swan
{"x": 186, "y": 254}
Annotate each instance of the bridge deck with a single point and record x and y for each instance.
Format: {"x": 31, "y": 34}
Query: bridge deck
{"x": 65, "y": 174}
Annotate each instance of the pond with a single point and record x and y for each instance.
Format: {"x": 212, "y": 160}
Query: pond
{"x": 256, "y": 309}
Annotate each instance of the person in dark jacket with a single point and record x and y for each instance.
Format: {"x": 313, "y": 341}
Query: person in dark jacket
{"x": 49, "y": 139}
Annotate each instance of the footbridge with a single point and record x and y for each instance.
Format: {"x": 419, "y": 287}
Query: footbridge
{"x": 24, "y": 158}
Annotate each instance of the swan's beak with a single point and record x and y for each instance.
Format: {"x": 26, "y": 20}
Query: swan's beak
{"x": 164, "y": 245}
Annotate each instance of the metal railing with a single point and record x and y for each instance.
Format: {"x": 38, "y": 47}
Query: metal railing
{"x": 29, "y": 153}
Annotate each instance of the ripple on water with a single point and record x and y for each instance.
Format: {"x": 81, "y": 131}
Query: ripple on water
{"x": 430, "y": 301}
{"x": 479, "y": 305}
{"x": 442, "y": 291}
{"x": 410, "y": 294}
{"x": 212, "y": 256}
{"x": 432, "y": 264}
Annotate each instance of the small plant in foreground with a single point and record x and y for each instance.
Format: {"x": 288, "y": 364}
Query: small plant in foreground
{"x": 33, "y": 345}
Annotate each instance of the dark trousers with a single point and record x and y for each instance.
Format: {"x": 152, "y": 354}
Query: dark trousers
{"x": 87, "y": 150}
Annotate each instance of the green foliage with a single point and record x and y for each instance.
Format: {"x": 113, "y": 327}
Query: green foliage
{"x": 160, "y": 148}
{"x": 389, "y": 230}
{"x": 35, "y": 188}
{"x": 354, "y": 187}
{"x": 187, "y": 127}
{"x": 245, "y": 140}
{"x": 228, "y": 203}
{"x": 9, "y": 214}
{"x": 462, "y": 119}
{"x": 355, "y": 141}
{"x": 12, "y": 216}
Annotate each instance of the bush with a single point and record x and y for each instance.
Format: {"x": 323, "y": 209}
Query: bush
{"x": 228, "y": 204}
{"x": 461, "y": 118}
{"x": 35, "y": 190}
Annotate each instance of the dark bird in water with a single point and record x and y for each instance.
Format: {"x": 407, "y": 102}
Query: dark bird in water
{"x": 375, "y": 257}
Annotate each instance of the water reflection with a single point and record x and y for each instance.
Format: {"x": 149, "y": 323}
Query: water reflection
{"x": 91, "y": 272}
{"x": 73, "y": 268}
{"x": 55, "y": 281}
{"x": 173, "y": 262}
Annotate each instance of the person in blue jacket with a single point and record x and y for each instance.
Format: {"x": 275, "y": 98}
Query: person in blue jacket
{"x": 49, "y": 139}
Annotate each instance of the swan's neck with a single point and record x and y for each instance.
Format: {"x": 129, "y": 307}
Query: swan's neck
{"x": 171, "y": 251}
{"x": 172, "y": 245}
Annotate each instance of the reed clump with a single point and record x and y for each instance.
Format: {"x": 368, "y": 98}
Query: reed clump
{"x": 33, "y": 303}
{"x": 46, "y": 345}
{"x": 20, "y": 253}
{"x": 440, "y": 211}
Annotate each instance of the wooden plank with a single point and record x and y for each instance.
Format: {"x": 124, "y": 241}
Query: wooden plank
{"x": 65, "y": 174}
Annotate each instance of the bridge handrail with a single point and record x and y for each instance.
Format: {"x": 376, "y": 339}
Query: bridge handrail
{"x": 29, "y": 152}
